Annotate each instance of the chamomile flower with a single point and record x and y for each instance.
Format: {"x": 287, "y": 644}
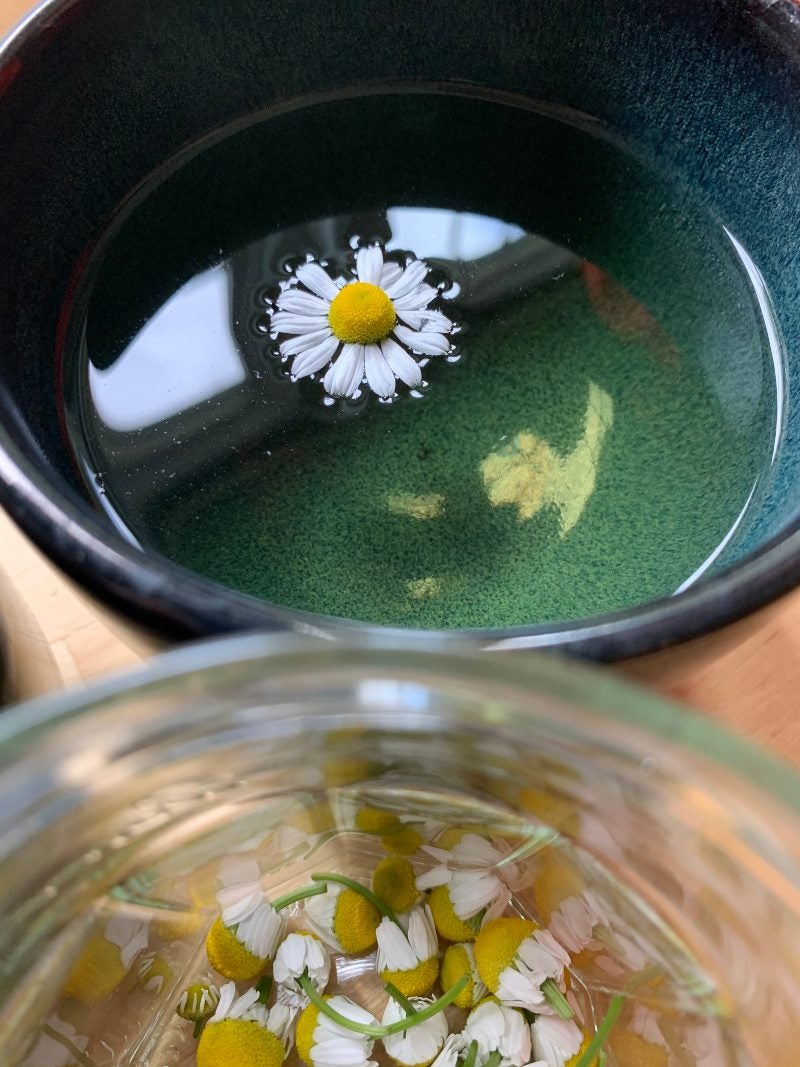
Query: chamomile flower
{"x": 459, "y": 960}
{"x": 244, "y": 1032}
{"x": 515, "y": 959}
{"x": 299, "y": 954}
{"x": 344, "y": 919}
{"x": 419, "y": 1045}
{"x": 364, "y": 326}
{"x": 556, "y": 1042}
{"x": 154, "y": 971}
{"x": 198, "y": 1002}
{"x": 409, "y": 961}
{"x": 106, "y": 959}
{"x": 469, "y": 881}
{"x": 500, "y": 1029}
{"x": 246, "y": 936}
{"x": 321, "y": 1042}
{"x": 394, "y": 882}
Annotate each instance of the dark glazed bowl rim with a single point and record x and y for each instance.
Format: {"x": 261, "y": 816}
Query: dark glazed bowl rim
{"x": 166, "y": 598}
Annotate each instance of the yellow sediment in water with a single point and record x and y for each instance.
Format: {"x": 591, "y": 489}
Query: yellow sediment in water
{"x": 422, "y": 507}
{"x": 528, "y": 474}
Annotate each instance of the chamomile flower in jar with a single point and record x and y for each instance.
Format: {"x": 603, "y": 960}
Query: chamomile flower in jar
{"x": 502, "y": 1035}
{"x": 245, "y": 937}
{"x": 302, "y": 954}
{"x": 557, "y": 1042}
{"x": 244, "y": 1032}
{"x": 198, "y": 1002}
{"x": 419, "y": 1045}
{"x": 458, "y": 962}
{"x": 409, "y": 960}
{"x": 344, "y": 918}
{"x": 469, "y": 883}
{"x": 323, "y": 1042}
{"x": 106, "y": 959}
{"x": 394, "y": 881}
{"x": 521, "y": 964}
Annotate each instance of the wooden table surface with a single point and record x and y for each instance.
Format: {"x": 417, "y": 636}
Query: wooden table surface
{"x": 747, "y": 675}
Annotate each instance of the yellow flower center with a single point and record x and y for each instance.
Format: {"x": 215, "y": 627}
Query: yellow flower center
{"x": 394, "y": 882}
{"x": 361, "y": 313}
{"x": 496, "y": 946}
{"x": 229, "y": 957}
{"x": 239, "y": 1043}
{"x": 456, "y": 965}
{"x": 416, "y": 982}
{"x": 355, "y": 921}
{"x": 97, "y": 972}
{"x": 403, "y": 842}
{"x": 304, "y": 1033}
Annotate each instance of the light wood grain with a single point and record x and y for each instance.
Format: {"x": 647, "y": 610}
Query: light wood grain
{"x": 747, "y": 676}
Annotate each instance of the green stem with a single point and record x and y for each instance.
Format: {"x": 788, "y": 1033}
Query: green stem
{"x": 298, "y": 894}
{"x": 601, "y": 1059}
{"x": 357, "y": 887}
{"x": 556, "y": 999}
{"x": 493, "y": 1059}
{"x": 198, "y": 1028}
{"x": 472, "y": 1055}
{"x": 368, "y": 1029}
{"x": 400, "y": 999}
{"x": 264, "y": 987}
{"x": 604, "y": 1029}
{"x": 73, "y": 1050}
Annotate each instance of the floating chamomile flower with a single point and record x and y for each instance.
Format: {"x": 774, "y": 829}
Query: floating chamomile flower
{"x": 302, "y": 953}
{"x": 500, "y": 1032}
{"x": 459, "y": 961}
{"x": 469, "y": 883}
{"x": 366, "y": 325}
{"x": 556, "y": 1042}
{"x": 244, "y": 1032}
{"x": 419, "y": 1046}
{"x": 322, "y": 1042}
{"x": 154, "y": 971}
{"x": 521, "y": 963}
{"x": 344, "y": 918}
{"x": 243, "y": 940}
{"x": 394, "y": 881}
{"x": 409, "y": 961}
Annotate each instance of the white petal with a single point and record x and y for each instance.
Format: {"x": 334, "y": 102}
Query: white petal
{"x": 519, "y": 991}
{"x": 245, "y": 1001}
{"x": 420, "y": 1044}
{"x": 287, "y": 322}
{"x": 436, "y": 875}
{"x": 448, "y": 1057}
{"x": 394, "y": 951}
{"x": 295, "y": 345}
{"x": 555, "y": 1040}
{"x": 425, "y": 319}
{"x": 430, "y": 344}
{"x": 419, "y": 297}
{"x": 485, "y": 1025}
{"x": 315, "y": 358}
{"x": 473, "y": 891}
{"x": 404, "y": 367}
{"x": 369, "y": 264}
{"x": 317, "y": 280}
{"x": 475, "y": 851}
{"x": 390, "y": 273}
{"x": 422, "y": 933}
{"x": 227, "y": 995}
{"x": 238, "y": 903}
{"x": 344, "y": 377}
{"x": 302, "y": 303}
{"x": 408, "y": 280}
{"x": 379, "y": 376}
{"x": 352, "y": 1011}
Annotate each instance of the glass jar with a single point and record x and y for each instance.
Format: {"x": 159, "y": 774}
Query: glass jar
{"x": 124, "y": 806}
